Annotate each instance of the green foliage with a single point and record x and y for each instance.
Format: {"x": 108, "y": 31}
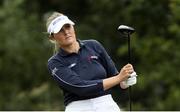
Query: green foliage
{"x": 24, "y": 50}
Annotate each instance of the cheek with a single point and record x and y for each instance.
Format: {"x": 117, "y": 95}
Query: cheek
{"x": 73, "y": 33}
{"x": 60, "y": 40}
{"x": 58, "y": 37}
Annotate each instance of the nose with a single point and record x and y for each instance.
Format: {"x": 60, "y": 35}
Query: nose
{"x": 66, "y": 31}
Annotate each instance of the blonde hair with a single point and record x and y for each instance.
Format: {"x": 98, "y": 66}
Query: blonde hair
{"x": 48, "y": 22}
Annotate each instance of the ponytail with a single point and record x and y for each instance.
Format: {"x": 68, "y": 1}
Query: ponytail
{"x": 48, "y": 21}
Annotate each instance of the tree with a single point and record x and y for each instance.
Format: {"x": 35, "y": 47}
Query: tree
{"x": 24, "y": 50}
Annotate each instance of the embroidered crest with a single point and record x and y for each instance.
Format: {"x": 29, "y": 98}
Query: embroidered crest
{"x": 54, "y": 71}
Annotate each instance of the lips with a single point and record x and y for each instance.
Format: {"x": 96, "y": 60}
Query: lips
{"x": 68, "y": 37}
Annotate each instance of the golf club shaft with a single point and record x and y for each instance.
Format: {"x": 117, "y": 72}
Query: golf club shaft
{"x": 129, "y": 61}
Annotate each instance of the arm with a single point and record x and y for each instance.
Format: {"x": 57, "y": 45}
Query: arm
{"x": 106, "y": 60}
{"x": 114, "y": 80}
{"x": 110, "y": 68}
{"x": 70, "y": 81}
{"x": 110, "y": 82}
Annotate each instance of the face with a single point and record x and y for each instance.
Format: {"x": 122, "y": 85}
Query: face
{"x": 66, "y": 36}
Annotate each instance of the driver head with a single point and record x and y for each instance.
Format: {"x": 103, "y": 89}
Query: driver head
{"x": 125, "y": 29}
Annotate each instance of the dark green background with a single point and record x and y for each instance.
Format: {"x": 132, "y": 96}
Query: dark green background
{"x": 24, "y": 50}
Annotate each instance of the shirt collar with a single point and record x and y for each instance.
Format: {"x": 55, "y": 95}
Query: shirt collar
{"x": 62, "y": 52}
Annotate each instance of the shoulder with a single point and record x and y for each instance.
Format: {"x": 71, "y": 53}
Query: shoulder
{"x": 91, "y": 42}
{"x": 94, "y": 45}
{"x": 54, "y": 58}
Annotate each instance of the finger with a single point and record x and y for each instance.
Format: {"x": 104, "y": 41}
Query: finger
{"x": 128, "y": 66}
{"x": 127, "y": 71}
{"x": 130, "y": 69}
{"x": 133, "y": 74}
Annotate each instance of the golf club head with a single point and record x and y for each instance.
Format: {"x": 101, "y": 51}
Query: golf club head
{"x": 125, "y": 29}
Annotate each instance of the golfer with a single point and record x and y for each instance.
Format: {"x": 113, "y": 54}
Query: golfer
{"x": 83, "y": 69}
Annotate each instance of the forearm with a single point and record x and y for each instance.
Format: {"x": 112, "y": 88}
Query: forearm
{"x": 123, "y": 75}
{"x": 111, "y": 82}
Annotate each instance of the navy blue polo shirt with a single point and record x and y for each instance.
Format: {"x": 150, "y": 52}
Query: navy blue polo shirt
{"x": 80, "y": 74}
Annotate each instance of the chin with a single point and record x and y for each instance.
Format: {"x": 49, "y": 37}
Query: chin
{"x": 69, "y": 42}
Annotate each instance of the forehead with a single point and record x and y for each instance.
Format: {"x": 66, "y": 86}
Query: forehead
{"x": 66, "y": 26}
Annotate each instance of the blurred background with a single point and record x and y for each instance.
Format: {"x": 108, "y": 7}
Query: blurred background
{"x": 25, "y": 83}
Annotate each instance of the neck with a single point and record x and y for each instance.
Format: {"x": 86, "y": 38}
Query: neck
{"x": 73, "y": 48}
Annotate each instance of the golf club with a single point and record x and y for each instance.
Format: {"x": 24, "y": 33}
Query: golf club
{"x": 126, "y": 31}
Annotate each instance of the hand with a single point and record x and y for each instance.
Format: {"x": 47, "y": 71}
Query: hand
{"x": 125, "y": 72}
{"x": 132, "y": 80}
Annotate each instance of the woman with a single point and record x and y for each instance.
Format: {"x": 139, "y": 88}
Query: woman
{"x": 83, "y": 69}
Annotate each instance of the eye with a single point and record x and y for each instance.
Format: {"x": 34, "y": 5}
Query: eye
{"x": 65, "y": 27}
{"x": 61, "y": 30}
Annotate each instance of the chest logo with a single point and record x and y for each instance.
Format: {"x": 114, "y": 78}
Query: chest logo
{"x": 92, "y": 58}
{"x": 72, "y": 65}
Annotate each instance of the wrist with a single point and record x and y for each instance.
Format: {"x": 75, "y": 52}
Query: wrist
{"x": 119, "y": 77}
